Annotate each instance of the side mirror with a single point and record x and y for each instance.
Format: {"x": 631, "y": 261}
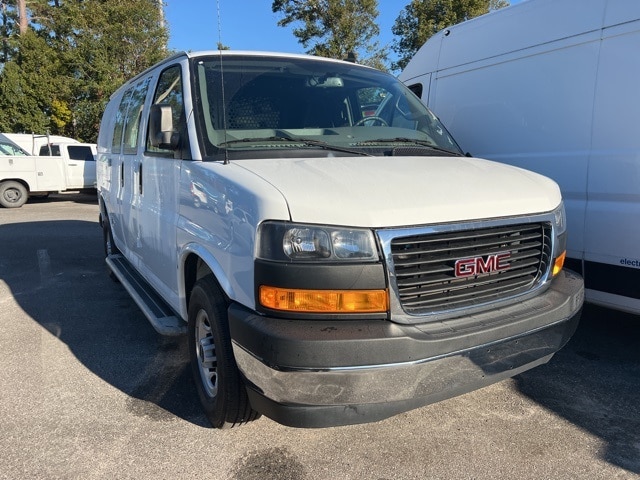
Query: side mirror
{"x": 161, "y": 131}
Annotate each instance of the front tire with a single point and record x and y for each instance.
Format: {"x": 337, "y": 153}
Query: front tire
{"x": 220, "y": 388}
{"x": 13, "y": 194}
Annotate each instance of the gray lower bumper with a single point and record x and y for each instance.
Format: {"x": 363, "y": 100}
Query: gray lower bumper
{"x": 328, "y": 392}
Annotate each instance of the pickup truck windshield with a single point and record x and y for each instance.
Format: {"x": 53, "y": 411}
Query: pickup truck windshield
{"x": 270, "y": 103}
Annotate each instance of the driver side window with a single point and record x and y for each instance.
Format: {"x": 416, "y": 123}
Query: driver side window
{"x": 169, "y": 92}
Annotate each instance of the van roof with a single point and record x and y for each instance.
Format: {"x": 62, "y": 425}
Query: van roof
{"x": 516, "y": 28}
{"x": 233, "y": 53}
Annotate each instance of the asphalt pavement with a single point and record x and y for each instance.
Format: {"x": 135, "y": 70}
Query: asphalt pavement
{"x": 88, "y": 390}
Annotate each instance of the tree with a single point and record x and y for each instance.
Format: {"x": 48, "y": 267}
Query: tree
{"x": 23, "y": 18}
{"x": 423, "y": 18}
{"x": 111, "y": 41}
{"x": 9, "y": 28}
{"x": 58, "y": 76}
{"x": 29, "y": 87}
{"x": 335, "y": 28}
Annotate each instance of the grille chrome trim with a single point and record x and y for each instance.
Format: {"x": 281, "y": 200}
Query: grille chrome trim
{"x": 419, "y": 262}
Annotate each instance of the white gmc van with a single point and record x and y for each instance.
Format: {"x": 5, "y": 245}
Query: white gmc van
{"x": 552, "y": 86}
{"x": 332, "y": 255}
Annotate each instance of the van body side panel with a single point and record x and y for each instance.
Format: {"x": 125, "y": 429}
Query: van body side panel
{"x": 612, "y": 226}
{"x": 517, "y": 28}
{"x": 157, "y": 225}
{"x": 497, "y": 97}
{"x": 129, "y": 208}
{"x": 619, "y": 12}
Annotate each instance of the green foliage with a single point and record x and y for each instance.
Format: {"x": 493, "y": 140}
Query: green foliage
{"x": 334, "y": 28}
{"x": 61, "y": 74}
{"x": 61, "y": 115}
{"x": 423, "y": 18}
{"x": 28, "y": 85}
{"x": 8, "y": 28}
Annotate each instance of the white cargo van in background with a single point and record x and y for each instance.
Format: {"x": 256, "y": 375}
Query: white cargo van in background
{"x": 553, "y": 86}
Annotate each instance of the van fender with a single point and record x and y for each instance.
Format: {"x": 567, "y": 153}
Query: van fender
{"x": 213, "y": 265}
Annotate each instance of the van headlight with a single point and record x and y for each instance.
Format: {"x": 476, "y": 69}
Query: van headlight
{"x": 319, "y": 270}
{"x": 560, "y": 229}
{"x": 290, "y": 242}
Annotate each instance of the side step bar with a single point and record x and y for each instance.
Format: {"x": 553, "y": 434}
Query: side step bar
{"x": 162, "y": 318}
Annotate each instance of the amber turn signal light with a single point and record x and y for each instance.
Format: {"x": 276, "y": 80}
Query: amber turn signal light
{"x": 324, "y": 301}
{"x": 559, "y": 263}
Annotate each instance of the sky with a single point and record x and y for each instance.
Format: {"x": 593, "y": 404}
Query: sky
{"x": 249, "y": 25}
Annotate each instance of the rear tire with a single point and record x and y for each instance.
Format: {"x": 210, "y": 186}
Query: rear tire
{"x": 109, "y": 246}
{"x": 13, "y": 194}
{"x": 220, "y": 387}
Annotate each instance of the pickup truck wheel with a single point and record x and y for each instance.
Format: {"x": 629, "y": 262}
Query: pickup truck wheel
{"x": 220, "y": 388}
{"x": 13, "y": 194}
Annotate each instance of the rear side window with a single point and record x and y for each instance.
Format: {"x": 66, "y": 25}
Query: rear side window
{"x": 169, "y": 92}
{"x": 134, "y": 114}
{"x": 119, "y": 123}
{"x": 127, "y": 124}
{"x": 80, "y": 152}
{"x": 50, "y": 150}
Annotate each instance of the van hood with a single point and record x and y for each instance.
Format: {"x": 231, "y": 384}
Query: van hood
{"x": 401, "y": 191}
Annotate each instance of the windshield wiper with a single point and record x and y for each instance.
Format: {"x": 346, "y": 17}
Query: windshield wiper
{"x": 422, "y": 143}
{"x": 327, "y": 146}
{"x": 256, "y": 139}
{"x": 307, "y": 142}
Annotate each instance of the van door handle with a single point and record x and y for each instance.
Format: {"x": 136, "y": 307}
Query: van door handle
{"x": 140, "y": 178}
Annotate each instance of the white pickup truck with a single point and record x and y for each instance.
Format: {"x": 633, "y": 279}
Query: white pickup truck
{"x": 59, "y": 167}
{"x": 332, "y": 255}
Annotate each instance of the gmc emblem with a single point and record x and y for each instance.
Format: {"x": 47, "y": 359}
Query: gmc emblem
{"x": 469, "y": 267}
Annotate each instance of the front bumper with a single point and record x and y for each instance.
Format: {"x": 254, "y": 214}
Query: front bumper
{"x": 311, "y": 373}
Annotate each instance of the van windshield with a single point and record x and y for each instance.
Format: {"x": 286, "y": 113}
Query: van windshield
{"x": 247, "y": 103}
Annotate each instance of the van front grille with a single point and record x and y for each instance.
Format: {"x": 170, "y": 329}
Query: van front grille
{"x": 447, "y": 271}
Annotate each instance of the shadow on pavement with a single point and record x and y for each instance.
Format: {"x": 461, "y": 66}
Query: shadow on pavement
{"x": 82, "y": 196}
{"x": 594, "y": 382}
{"x": 56, "y": 272}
